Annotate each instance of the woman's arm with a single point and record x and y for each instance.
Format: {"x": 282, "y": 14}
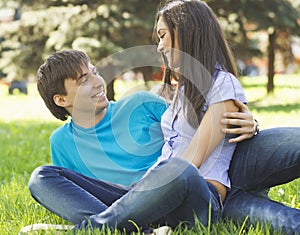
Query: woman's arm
{"x": 208, "y": 134}
{"x": 247, "y": 125}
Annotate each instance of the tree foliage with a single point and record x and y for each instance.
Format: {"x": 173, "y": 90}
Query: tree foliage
{"x": 104, "y": 27}
{"x": 272, "y": 16}
{"x": 100, "y": 29}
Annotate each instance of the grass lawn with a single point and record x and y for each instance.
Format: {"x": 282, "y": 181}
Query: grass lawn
{"x": 26, "y": 124}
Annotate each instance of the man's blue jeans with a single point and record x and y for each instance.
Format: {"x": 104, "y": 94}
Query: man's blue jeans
{"x": 171, "y": 193}
{"x": 268, "y": 159}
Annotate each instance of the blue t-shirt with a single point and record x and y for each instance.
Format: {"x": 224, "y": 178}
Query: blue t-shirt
{"x": 120, "y": 148}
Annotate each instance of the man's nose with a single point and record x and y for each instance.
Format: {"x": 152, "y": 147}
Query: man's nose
{"x": 98, "y": 80}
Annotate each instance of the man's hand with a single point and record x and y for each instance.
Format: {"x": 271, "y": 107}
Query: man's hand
{"x": 247, "y": 125}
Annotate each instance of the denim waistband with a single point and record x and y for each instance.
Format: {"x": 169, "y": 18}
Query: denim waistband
{"x": 216, "y": 194}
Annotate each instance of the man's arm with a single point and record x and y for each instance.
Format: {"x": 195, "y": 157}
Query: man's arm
{"x": 247, "y": 125}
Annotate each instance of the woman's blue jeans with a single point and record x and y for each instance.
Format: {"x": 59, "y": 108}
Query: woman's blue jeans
{"x": 171, "y": 193}
{"x": 268, "y": 159}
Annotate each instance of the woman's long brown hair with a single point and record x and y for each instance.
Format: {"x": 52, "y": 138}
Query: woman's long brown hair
{"x": 202, "y": 47}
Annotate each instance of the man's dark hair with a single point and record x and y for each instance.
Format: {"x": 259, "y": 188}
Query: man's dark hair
{"x": 51, "y": 76}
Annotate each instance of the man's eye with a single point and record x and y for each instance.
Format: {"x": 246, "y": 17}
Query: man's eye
{"x": 83, "y": 80}
{"x": 94, "y": 71}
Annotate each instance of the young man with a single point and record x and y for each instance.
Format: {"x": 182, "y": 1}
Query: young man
{"x": 107, "y": 146}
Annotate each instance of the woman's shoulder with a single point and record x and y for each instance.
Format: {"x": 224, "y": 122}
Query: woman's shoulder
{"x": 225, "y": 86}
{"x": 224, "y": 78}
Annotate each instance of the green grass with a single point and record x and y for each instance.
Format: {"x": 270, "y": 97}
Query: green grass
{"x": 282, "y": 108}
{"x": 26, "y": 124}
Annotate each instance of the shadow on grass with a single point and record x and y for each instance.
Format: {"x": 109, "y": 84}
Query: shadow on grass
{"x": 287, "y": 108}
{"x": 256, "y": 85}
{"x": 263, "y": 86}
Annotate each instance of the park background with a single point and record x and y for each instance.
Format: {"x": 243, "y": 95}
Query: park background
{"x": 264, "y": 36}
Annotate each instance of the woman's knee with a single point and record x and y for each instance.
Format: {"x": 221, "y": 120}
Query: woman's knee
{"x": 181, "y": 169}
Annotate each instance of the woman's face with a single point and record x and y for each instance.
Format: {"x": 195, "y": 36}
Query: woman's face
{"x": 165, "y": 43}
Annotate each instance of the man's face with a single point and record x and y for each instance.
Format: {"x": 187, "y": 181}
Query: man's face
{"x": 87, "y": 93}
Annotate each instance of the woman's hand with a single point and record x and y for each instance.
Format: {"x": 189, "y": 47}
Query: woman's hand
{"x": 241, "y": 123}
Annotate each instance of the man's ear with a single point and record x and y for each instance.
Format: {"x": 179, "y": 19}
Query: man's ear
{"x": 60, "y": 100}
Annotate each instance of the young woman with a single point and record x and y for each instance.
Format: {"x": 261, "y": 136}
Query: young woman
{"x": 197, "y": 56}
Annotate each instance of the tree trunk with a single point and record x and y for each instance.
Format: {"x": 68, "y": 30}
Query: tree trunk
{"x": 107, "y": 72}
{"x": 110, "y": 90}
{"x": 147, "y": 74}
{"x": 271, "y": 64}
